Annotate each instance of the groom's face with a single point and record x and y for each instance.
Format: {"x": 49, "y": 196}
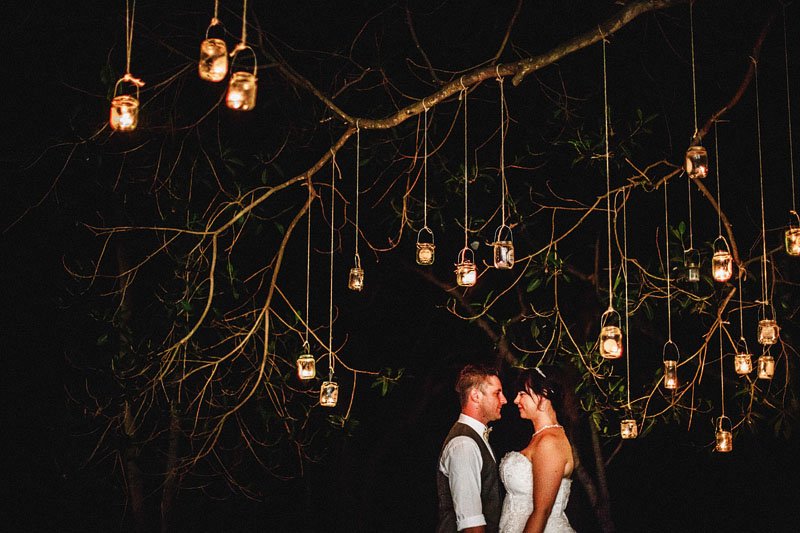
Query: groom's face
{"x": 491, "y": 399}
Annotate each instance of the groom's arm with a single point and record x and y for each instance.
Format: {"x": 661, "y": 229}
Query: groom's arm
{"x": 462, "y": 464}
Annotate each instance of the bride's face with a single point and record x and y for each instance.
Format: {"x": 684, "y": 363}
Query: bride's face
{"x": 527, "y": 402}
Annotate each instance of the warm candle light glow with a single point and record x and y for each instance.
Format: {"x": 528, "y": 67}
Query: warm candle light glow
{"x": 670, "y": 374}
{"x": 766, "y": 367}
{"x": 503, "y": 254}
{"x": 213, "y": 64}
{"x": 356, "y": 279}
{"x": 628, "y": 429}
{"x": 792, "y": 241}
{"x": 329, "y": 394}
{"x": 696, "y": 162}
{"x": 722, "y": 266}
{"x": 724, "y": 441}
{"x": 466, "y": 271}
{"x": 425, "y": 253}
{"x": 768, "y": 332}
{"x": 124, "y": 113}
{"x": 242, "y": 91}
{"x": 610, "y": 342}
{"x": 306, "y": 367}
{"x": 743, "y": 363}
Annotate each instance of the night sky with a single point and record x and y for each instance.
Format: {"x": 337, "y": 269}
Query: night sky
{"x": 59, "y": 177}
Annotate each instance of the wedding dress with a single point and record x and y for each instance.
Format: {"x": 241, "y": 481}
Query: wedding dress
{"x": 517, "y": 476}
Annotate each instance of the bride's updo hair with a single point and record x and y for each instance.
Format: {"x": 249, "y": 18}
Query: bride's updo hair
{"x": 552, "y": 383}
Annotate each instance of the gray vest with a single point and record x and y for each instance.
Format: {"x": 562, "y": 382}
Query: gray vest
{"x": 490, "y": 485}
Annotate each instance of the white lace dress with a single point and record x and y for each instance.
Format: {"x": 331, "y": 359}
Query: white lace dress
{"x": 517, "y": 476}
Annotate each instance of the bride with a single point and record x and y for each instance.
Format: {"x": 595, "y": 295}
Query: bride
{"x": 537, "y": 478}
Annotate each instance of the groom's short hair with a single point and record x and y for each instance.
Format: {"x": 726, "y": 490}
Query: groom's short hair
{"x": 472, "y": 376}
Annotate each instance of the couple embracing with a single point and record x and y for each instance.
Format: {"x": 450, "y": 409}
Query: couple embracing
{"x": 536, "y": 478}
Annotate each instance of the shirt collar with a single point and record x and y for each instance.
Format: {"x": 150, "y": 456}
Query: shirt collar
{"x": 479, "y": 427}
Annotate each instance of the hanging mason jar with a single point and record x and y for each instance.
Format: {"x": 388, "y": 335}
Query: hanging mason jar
{"x": 768, "y": 332}
{"x": 670, "y": 356}
{"x": 742, "y": 360}
{"x": 306, "y": 364}
{"x": 792, "y": 236}
{"x": 466, "y": 271}
{"x": 425, "y": 249}
{"x": 242, "y": 86}
{"x": 503, "y": 246}
{"x": 722, "y": 261}
{"x": 628, "y": 429}
{"x": 213, "y": 64}
{"x": 610, "y": 335}
{"x": 696, "y": 162}
{"x": 724, "y": 436}
{"x": 355, "y": 281}
{"x": 766, "y": 366}
{"x": 125, "y": 107}
{"x": 691, "y": 260}
{"x": 329, "y": 393}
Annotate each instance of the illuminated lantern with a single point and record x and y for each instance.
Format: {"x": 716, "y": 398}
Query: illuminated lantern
{"x": 242, "y": 86}
{"x": 628, "y": 429}
{"x": 124, "y": 113}
{"x": 213, "y": 64}
{"x": 241, "y": 91}
{"x": 503, "y": 248}
{"x": 768, "y": 332}
{"x": 329, "y": 393}
{"x": 691, "y": 260}
{"x": 792, "y": 236}
{"x": 125, "y": 107}
{"x": 724, "y": 435}
{"x": 742, "y": 359}
{"x": 306, "y": 364}
{"x": 696, "y": 162}
{"x": 466, "y": 271}
{"x": 670, "y": 366}
{"x": 610, "y": 335}
{"x": 355, "y": 280}
{"x": 766, "y": 367}
{"x": 722, "y": 261}
{"x": 425, "y": 250}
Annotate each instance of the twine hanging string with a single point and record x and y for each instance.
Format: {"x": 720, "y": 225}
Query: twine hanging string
{"x": 721, "y": 372}
{"x": 741, "y": 311}
{"x": 625, "y": 276}
{"x": 334, "y": 169}
{"x": 608, "y": 177}
{"x": 466, "y": 160}
{"x": 694, "y": 84}
{"x": 764, "y": 301}
{"x": 308, "y": 266}
{"x": 425, "y": 167}
{"x": 215, "y": 20}
{"x": 130, "y": 14}
{"x": 789, "y": 110}
{"x": 666, "y": 265}
{"x": 243, "y": 42}
{"x": 689, "y": 193}
{"x": 502, "y": 148}
{"x": 358, "y": 165}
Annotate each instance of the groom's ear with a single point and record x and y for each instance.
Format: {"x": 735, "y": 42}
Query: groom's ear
{"x": 474, "y": 394}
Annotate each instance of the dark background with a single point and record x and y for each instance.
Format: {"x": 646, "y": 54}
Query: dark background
{"x": 383, "y": 476}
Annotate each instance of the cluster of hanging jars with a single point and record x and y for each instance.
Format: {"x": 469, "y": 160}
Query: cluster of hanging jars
{"x": 213, "y": 66}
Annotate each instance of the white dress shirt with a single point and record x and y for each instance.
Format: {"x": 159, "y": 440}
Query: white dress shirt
{"x": 461, "y": 462}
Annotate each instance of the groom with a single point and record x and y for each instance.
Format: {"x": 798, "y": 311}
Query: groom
{"x": 467, "y": 481}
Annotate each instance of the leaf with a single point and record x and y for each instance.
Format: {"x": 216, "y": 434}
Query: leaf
{"x": 533, "y": 285}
